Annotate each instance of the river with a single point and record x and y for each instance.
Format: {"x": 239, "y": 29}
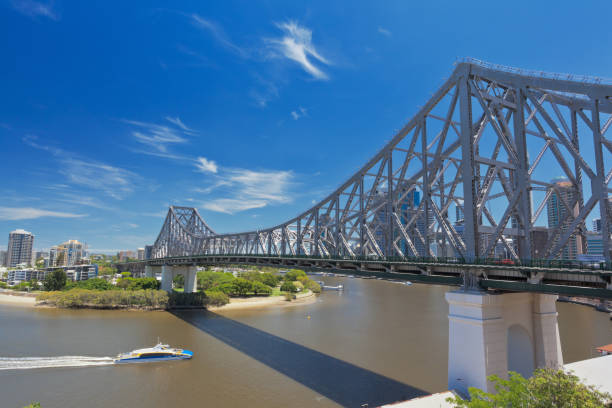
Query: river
{"x": 375, "y": 342}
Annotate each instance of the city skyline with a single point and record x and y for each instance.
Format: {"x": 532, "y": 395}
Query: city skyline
{"x": 146, "y": 124}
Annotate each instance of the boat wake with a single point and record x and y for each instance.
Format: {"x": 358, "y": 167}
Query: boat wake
{"x": 26, "y": 363}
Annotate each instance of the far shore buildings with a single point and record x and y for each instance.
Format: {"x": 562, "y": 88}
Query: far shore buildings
{"x": 68, "y": 253}
{"x": 19, "y": 250}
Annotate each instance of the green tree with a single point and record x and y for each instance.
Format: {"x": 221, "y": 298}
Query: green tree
{"x": 241, "y": 287}
{"x": 261, "y": 289}
{"x": 210, "y": 279}
{"x": 179, "y": 281}
{"x": 288, "y": 286}
{"x": 126, "y": 274}
{"x": 55, "y": 280}
{"x": 270, "y": 279}
{"x": 40, "y": 263}
{"x": 33, "y": 405}
{"x": 546, "y": 388}
{"x": 293, "y": 274}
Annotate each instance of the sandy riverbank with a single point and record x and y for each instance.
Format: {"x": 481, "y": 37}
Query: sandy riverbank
{"x": 276, "y": 301}
{"x": 235, "y": 303}
{"x": 16, "y": 300}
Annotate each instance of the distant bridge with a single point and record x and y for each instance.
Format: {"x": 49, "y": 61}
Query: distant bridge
{"x": 484, "y": 148}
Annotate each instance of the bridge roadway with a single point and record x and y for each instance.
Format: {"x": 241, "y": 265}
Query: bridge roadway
{"x": 512, "y": 278}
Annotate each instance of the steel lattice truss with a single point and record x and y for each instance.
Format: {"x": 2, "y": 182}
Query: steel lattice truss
{"x": 488, "y": 142}
{"x": 184, "y": 233}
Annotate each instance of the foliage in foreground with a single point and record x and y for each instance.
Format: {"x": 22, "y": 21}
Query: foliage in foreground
{"x": 546, "y": 388}
{"x": 33, "y": 405}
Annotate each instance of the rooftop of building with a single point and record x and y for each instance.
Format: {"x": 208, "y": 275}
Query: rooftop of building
{"x": 21, "y": 231}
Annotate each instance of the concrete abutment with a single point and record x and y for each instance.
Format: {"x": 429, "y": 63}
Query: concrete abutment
{"x": 494, "y": 333}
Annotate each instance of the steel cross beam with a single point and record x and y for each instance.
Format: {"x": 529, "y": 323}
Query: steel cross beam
{"x": 485, "y": 143}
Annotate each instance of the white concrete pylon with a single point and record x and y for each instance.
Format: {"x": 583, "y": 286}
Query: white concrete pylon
{"x": 496, "y": 333}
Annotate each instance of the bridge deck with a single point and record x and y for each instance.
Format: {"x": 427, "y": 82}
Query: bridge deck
{"x": 562, "y": 281}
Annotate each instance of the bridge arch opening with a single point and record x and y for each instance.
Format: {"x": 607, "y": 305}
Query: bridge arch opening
{"x": 520, "y": 351}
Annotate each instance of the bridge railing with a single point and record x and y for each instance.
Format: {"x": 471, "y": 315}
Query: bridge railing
{"x": 530, "y": 263}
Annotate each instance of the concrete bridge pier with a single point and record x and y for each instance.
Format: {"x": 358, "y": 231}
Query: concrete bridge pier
{"x": 189, "y": 272}
{"x": 496, "y": 333}
{"x": 151, "y": 271}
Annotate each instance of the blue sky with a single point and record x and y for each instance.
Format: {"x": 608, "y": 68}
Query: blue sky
{"x": 111, "y": 111}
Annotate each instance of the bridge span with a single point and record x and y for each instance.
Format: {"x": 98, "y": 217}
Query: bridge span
{"x": 483, "y": 151}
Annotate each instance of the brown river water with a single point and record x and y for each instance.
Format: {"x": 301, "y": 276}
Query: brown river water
{"x": 376, "y": 342}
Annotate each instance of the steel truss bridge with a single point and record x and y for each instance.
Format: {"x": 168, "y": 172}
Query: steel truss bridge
{"x": 483, "y": 148}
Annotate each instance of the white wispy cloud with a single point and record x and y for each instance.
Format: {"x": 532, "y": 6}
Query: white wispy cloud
{"x": 384, "y": 31}
{"x": 28, "y": 213}
{"x": 299, "y": 113}
{"x": 244, "y": 189}
{"x": 157, "y": 138}
{"x": 111, "y": 180}
{"x": 178, "y": 122}
{"x": 205, "y": 165}
{"x": 296, "y": 45}
{"x": 218, "y": 34}
{"x": 35, "y": 9}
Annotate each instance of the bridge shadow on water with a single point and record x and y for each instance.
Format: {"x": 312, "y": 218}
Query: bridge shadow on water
{"x": 342, "y": 382}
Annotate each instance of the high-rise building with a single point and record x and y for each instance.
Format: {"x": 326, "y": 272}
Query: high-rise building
{"x": 597, "y": 225}
{"x": 141, "y": 254}
{"x": 563, "y": 192}
{"x": 68, "y": 253}
{"x": 148, "y": 252}
{"x": 594, "y": 244}
{"x": 2, "y": 258}
{"x": 125, "y": 255}
{"x": 19, "y": 249}
{"x": 459, "y": 217}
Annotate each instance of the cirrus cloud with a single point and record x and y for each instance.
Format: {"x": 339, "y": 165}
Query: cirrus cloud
{"x": 28, "y": 213}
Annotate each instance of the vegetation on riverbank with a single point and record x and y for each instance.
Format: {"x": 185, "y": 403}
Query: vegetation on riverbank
{"x": 149, "y": 299}
{"x": 255, "y": 283}
{"x": 215, "y": 289}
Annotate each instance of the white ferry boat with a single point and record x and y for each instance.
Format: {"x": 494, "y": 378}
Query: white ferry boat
{"x": 160, "y": 352}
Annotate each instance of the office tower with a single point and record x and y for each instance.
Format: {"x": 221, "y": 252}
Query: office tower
{"x": 19, "y": 249}
{"x": 562, "y": 196}
{"x": 68, "y": 253}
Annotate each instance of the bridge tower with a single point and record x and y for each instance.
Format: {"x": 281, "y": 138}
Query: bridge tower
{"x": 496, "y": 333}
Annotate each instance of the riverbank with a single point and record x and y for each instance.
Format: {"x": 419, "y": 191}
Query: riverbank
{"x": 29, "y": 300}
{"x": 260, "y": 302}
{"x": 24, "y": 300}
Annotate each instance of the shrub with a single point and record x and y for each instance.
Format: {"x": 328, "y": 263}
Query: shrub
{"x": 546, "y": 388}
{"x": 288, "y": 286}
{"x": 179, "y": 281}
{"x": 157, "y": 299}
{"x": 269, "y": 279}
{"x": 216, "y": 298}
{"x": 209, "y": 279}
{"x": 187, "y": 299}
{"x": 313, "y": 286}
{"x": 289, "y": 297}
{"x": 298, "y": 285}
{"x": 241, "y": 287}
{"x": 92, "y": 284}
{"x": 293, "y": 274}
{"x": 3, "y": 285}
{"x": 261, "y": 289}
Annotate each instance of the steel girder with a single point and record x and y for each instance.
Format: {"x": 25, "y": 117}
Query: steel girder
{"x": 488, "y": 143}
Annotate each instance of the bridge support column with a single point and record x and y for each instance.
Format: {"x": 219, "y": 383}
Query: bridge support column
{"x": 167, "y": 276}
{"x": 496, "y": 333}
{"x": 190, "y": 274}
{"x": 149, "y": 271}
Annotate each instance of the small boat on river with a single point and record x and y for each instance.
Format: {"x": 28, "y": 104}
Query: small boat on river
{"x": 160, "y": 352}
